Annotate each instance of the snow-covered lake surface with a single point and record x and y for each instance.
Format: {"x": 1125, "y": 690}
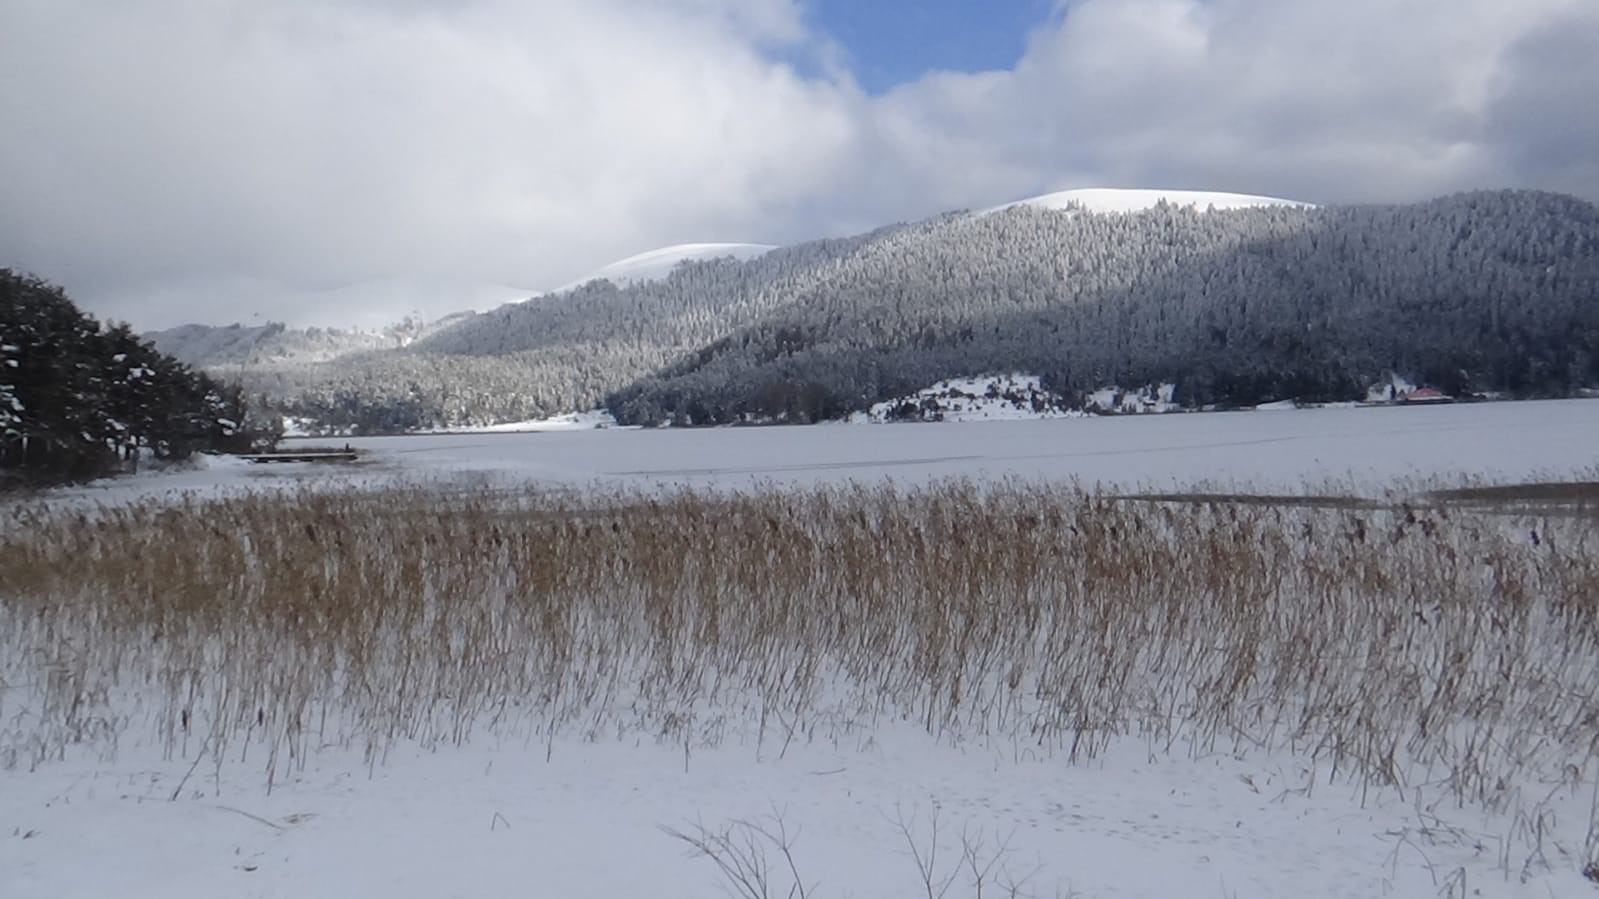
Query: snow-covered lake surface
{"x": 1365, "y": 448}
{"x": 578, "y": 819}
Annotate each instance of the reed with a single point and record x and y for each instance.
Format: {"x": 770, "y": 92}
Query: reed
{"x": 1387, "y": 644}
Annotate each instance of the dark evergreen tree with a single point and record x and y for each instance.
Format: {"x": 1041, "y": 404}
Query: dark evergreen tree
{"x": 78, "y": 400}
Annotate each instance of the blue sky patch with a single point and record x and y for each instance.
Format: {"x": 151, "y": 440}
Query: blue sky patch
{"x": 890, "y": 44}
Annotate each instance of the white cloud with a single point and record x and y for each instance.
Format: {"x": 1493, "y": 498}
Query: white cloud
{"x": 1360, "y": 100}
{"x": 181, "y": 159}
{"x": 315, "y": 143}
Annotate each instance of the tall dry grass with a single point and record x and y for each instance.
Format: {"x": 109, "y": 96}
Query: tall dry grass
{"x": 1386, "y": 645}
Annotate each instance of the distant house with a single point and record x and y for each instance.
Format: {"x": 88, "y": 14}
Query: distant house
{"x": 1425, "y": 395}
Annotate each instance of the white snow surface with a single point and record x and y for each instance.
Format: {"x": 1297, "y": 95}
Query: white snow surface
{"x": 1109, "y": 199}
{"x": 584, "y": 819}
{"x": 1364, "y": 448}
{"x": 587, "y": 820}
{"x": 654, "y": 265}
{"x": 1012, "y": 397}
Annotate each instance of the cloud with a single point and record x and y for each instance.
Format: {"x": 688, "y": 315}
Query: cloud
{"x": 1540, "y": 122}
{"x": 205, "y": 160}
{"x": 308, "y": 144}
{"x": 1361, "y": 100}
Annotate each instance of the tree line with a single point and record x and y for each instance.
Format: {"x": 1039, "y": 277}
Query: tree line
{"x": 79, "y": 399}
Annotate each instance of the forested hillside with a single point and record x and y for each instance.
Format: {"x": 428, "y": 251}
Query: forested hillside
{"x": 78, "y": 399}
{"x": 1488, "y": 292}
{"x": 552, "y": 354}
{"x": 1475, "y": 293}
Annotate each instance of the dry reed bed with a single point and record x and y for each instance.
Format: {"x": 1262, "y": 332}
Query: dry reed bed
{"x": 1396, "y": 646}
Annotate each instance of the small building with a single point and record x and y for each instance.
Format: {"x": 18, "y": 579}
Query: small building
{"x": 1426, "y": 396}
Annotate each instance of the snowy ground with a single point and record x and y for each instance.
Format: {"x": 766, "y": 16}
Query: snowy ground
{"x": 585, "y": 820}
{"x": 498, "y": 821}
{"x": 1358, "y": 449}
{"x": 1014, "y": 397}
{"x": 1364, "y": 447}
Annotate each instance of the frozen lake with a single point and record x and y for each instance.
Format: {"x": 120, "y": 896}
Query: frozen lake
{"x": 1362, "y": 447}
{"x": 1340, "y": 449}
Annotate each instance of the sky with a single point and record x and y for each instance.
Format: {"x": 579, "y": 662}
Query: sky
{"x": 886, "y": 44}
{"x": 231, "y": 160}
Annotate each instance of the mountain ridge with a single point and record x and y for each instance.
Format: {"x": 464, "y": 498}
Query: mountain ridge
{"x": 278, "y": 343}
{"x": 1250, "y": 301}
{"x": 653, "y": 265}
{"x": 1123, "y": 200}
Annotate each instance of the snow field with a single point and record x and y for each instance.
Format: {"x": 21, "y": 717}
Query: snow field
{"x": 1345, "y": 450}
{"x": 495, "y": 819}
{"x": 290, "y": 692}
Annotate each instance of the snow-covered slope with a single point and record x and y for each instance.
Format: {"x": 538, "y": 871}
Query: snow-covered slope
{"x": 994, "y": 398}
{"x": 1014, "y": 397}
{"x": 376, "y": 305}
{"x": 1105, "y": 199}
{"x": 369, "y": 315}
{"x": 657, "y": 264}
{"x": 208, "y": 346}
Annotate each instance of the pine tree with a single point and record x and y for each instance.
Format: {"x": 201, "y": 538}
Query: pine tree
{"x": 77, "y": 399}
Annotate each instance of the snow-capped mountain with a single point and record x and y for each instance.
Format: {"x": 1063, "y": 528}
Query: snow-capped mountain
{"x": 379, "y": 304}
{"x": 653, "y": 265}
{"x": 274, "y": 343}
{"x": 393, "y": 313}
{"x": 369, "y": 315}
